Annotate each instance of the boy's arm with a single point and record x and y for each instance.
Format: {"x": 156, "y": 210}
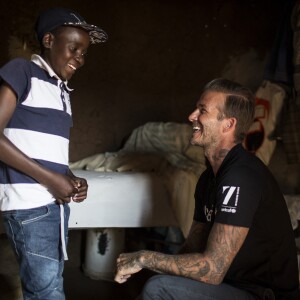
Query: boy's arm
{"x": 60, "y": 186}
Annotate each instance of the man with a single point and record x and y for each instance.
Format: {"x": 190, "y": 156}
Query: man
{"x": 241, "y": 244}
{"x": 36, "y": 184}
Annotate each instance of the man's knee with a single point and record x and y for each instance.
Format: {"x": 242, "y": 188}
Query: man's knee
{"x": 154, "y": 288}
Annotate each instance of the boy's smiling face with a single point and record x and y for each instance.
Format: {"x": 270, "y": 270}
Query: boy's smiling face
{"x": 64, "y": 50}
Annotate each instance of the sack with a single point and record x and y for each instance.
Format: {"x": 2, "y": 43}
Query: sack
{"x": 261, "y": 139}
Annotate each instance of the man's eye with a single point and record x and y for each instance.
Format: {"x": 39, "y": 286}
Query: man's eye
{"x": 202, "y": 111}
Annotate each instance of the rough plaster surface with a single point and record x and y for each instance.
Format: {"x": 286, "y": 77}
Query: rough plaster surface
{"x": 159, "y": 56}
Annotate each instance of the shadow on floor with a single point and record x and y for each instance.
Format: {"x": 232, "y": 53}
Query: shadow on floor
{"x": 78, "y": 286}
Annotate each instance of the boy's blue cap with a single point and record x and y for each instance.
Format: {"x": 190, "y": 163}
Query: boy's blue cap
{"x": 56, "y": 17}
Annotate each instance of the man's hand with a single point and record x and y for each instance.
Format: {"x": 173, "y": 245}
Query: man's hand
{"x": 127, "y": 264}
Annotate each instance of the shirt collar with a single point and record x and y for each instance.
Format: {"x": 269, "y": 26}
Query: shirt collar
{"x": 37, "y": 59}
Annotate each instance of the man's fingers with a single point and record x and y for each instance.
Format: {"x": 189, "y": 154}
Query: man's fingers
{"x": 121, "y": 278}
{"x": 118, "y": 278}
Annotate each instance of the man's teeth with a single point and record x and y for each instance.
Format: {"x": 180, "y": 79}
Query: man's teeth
{"x": 72, "y": 67}
{"x": 196, "y": 125}
{"x": 196, "y": 128}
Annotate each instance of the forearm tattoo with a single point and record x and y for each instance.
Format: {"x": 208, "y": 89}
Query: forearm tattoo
{"x": 196, "y": 240}
{"x": 210, "y": 266}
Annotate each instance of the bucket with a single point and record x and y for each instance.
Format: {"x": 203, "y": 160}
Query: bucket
{"x": 103, "y": 246}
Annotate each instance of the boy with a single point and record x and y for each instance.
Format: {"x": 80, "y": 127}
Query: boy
{"x": 35, "y": 181}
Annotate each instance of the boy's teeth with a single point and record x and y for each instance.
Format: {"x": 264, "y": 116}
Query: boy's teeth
{"x": 72, "y": 67}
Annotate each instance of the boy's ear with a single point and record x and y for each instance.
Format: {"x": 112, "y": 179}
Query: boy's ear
{"x": 47, "y": 40}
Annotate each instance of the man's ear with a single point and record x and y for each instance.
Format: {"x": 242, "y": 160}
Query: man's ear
{"x": 47, "y": 40}
{"x": 230, "y": 123}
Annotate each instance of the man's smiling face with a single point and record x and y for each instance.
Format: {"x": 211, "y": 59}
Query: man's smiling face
{"x": 207, "y": 124}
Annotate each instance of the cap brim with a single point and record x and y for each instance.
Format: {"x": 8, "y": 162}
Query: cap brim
{"x": 97, "y": 35}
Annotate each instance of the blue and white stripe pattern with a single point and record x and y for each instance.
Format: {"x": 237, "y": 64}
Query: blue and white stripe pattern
{"x": 39, "y": 127}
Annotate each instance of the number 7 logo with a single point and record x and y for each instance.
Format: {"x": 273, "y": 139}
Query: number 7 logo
{"x": 230, "y": 192}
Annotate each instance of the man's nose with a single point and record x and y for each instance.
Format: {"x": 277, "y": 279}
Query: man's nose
{"x": 193, "y": 116}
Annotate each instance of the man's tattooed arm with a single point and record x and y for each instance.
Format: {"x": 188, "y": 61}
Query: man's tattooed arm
{"x": 210, "y": 266}
{"x": 197, "y": 238}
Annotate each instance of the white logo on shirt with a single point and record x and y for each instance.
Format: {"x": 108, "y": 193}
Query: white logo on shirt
{"x": 231, "y": 199}
{"x": 208, "y": 213}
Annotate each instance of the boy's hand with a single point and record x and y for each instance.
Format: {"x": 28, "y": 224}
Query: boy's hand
{"x": 82, "y": 187}
{"x": 62, "y": 187}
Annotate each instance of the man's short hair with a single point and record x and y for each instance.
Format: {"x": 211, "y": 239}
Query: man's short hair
{"x": 239, "y": 104}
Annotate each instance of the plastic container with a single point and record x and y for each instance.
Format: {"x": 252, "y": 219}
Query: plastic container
{"x": 103, "y": 246}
